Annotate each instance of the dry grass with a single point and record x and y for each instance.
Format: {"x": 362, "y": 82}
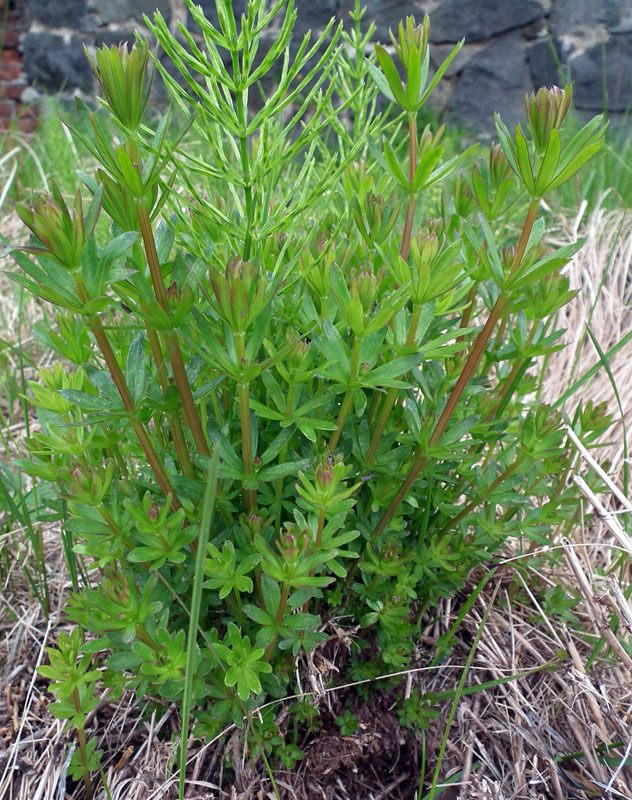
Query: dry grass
{"x": 602, "y": 272}
{"x": 543, "y": 735}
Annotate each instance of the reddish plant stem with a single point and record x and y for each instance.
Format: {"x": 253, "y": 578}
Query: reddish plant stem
{"x": 173, "y": 345}
{"x": 473, "y": 359}
{"x": 119, "y": 381}
{"x": 139, "y": 429}
{"x": 243, "y": 393}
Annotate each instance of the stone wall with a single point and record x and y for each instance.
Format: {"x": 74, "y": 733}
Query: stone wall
{"x": 13, "y": 80}
{"x": 510, "y": 47}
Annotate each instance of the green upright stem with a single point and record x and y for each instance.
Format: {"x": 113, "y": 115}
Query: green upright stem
{"x": 278, "y": 619}
{"x": 83, "y": 756}
{"x": 469, "y": 307}
{"x": 392, "y": 393}
{"x": 476, "y": 500}
{"x": 279, "y": 484}
{"x": 321, "y": 525}
{"x": 241, "y": 103}
{"x": 171, "y": 339}
{"x": 348, "y": 398}
{"x": 174, "y": 420}
{"x": 412, "y": 167}
{"x": 475, "y": 355}
{"x": 512, "y": 379}
{"x": 182, "y": 451}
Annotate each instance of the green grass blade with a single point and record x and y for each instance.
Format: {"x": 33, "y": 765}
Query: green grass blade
{"x": 606, "y": 365}
{"x": 208, "y": 508}
{"x": 592, "y": 371}
{"x": 457, "y": 697}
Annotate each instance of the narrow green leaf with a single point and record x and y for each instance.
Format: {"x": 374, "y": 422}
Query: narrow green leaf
{"x": 394, "y": 166}
{"x": 524, "y": 162}
{"x": 392, "y": 75}
{"x": 135, "y": 368}
{"x": 549, "y": 164}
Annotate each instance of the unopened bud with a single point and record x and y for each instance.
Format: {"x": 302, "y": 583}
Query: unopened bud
{"x": 499, "y": 168}
{"x": 173, "y": 292}
{"x": 324, "y": 474}
{"x": 122, "y": 76}
{"x": 546, "y": 110}
{"x": 412, "y": 37}
{"x": 429, "y": 140}
{"x": 298, "y": 352}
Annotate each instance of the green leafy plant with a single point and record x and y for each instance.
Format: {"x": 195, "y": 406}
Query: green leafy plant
{"x": 74, "y": 683}
{"x": 347, "y": 722}
{"x": 272, "y": 293}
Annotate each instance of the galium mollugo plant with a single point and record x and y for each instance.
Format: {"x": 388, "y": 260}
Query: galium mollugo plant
{"x": 360, "y": 361}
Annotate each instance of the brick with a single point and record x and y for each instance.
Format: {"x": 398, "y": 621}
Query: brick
{"x": 12, "y": 91}
{"x": 11, "y": 56}
{"x": 27, "y": 124}
{"x": 15, "y": 21}
{"x": 11, "y": 38}
{"x": 10, "y": 72}
{"x": 27, "y": 118}
{"x": 6, "y": 109}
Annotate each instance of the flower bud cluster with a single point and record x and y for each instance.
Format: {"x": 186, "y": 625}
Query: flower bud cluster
{"x": 62, "y": 233}
{"x": 546, "y": 110}
{"x": 240, "y": 293}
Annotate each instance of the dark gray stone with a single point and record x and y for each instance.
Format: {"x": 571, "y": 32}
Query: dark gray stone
{"x": 477, "y": 21}
{"x": 613, "y": 60}
{"x": 495, "y": 80}
{"x": 57, "y": 12}
{"x": 107, "y": 38}
{"x": 439, "y": 52}
{"x": 546, "y": 65}
{"x": 385, "y": 14}
{"x": 506, "y": 52}
{"x": 113, "y": 11}
{"x": 51, "y": 63}
{"x": 569, "y": 15}
{"x": 313, "y": 16}
{"x": 210, "y": 12}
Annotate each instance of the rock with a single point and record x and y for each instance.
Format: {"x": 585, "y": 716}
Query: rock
{"x": 567, "y": 16}
{"x": 208, "y": 7}
{"x": 612, "y": 61}
{"x": 545, "y": 63}
{"x": 453, "y": 20}
{"x": 496, "y": 80}
{"x": 384, "y": 13}
{"x": 58, "y": 13}
{"x": 439, "y": 52}
{"x": 113, "y": 11}
{"x": 53, "y": 64}
{"x": 107, "y": 38}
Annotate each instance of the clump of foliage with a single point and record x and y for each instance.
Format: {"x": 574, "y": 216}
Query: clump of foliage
{"x": 288, "y": 325}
